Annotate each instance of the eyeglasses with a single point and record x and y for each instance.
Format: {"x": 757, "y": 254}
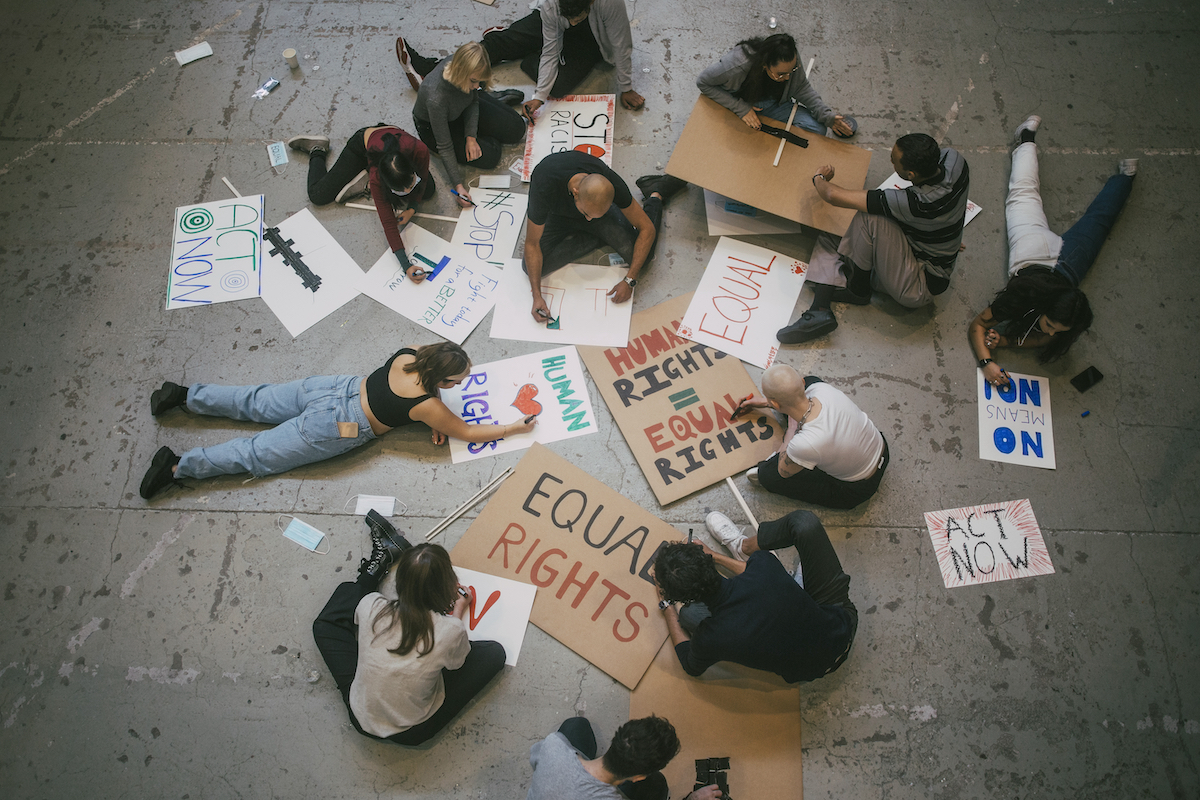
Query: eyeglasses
{"x": 779, "y": 76}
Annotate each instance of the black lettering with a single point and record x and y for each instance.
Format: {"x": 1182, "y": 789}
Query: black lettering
{"x": 536, "y": 492}
{"x": 624, "y": 389}
{"x": 582, "y": 507}
{"x": 663, "y": 465}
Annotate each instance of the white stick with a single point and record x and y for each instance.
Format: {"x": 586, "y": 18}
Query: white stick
{"x": 417, "y": 214}
{"x": 230, "y": 185}
{"x": 782, "y": 142}
{"x": 742, "y": 503}
{"x": 808, "y": 69}
{"x": 458, "y": 512}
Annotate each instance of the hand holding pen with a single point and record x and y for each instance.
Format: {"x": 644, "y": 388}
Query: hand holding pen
{"x": 745, "y": 405}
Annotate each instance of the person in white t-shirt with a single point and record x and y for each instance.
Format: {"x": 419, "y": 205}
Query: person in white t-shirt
{"x": 832, "y": 454}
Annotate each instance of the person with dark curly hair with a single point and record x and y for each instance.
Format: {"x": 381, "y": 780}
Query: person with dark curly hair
{"x": 799, "y": 626}
{"x": 1042, "y": 305}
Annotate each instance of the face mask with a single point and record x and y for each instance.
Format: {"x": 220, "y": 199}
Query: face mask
{"x": 303, "y": 534}
{"x": 368, "y": 502}
{"x": 416, "y": 179}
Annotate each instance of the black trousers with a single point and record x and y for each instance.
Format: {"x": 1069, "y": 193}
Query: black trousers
{"x": 498, "y": 125}
{"x": 336, "y": 636}
{"x": 523, "y": 41}
{"x": 565, "y": 241}
{"x": 581, "y": 736}
{"x": 324, "y": 184}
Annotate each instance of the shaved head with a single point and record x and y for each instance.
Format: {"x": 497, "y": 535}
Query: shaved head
{"x": 780, "y": 382}
{"x": 595, "y": 195}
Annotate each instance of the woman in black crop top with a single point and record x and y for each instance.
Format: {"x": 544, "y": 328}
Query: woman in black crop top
{"x": 320, "y": 417}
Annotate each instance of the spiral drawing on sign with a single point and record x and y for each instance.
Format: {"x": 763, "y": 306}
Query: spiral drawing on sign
{"x": 235, "y": 281}
{"x": 196, "y": 220}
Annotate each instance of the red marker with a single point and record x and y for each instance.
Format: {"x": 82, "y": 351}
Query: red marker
{"x": 738, "y": 410}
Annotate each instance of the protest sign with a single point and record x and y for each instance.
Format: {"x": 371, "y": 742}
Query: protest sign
{"x": 894, "y": 181}
{"x": 580, "y": 122}
{"x": 577, "y": 296}
{"x": 549, "y": 384}
{"x": 587, "y": 548}
{"x": 216, "y": 252}
{"x": 1015, "y": 424}
{"x": 746, "y": 294}
{"x": 451, "y": 302}
{"x": 499, "y": 610}
{"x": 488, "y": 231}
{"x": 672, "y": 400}
{"x": 290, "y": 290}
{"x": 989, "y": 543}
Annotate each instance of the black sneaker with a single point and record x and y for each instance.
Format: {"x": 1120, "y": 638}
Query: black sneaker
{"x": 161, "y": 473}
{"x": 666, "y": 185}
{"x": 168, "y": 396}
{"x": 378, "y": 523}
{"x": 812, "y": 324}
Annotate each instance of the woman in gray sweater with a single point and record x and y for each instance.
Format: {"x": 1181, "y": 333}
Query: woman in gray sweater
{"x": 462, "y": 123}
{"x": 761, "y": 77}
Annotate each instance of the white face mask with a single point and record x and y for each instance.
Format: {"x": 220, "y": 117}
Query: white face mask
{"x": 416, "y": 179}
{"x": 303, "y": 534}
{"x": 366, "y": 502}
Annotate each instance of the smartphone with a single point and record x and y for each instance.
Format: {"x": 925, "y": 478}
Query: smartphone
{"x": 1087, "y": 379}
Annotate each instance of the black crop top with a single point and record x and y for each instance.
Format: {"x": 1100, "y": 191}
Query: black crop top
{"x": 388, "y": 407}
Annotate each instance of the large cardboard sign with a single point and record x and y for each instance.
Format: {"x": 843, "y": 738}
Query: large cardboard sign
{"x": 499, "y": 610}
{"x": 488, "y": 231}
{"x": 216, "y": 252}
{"x": 1015, "y": 425}
{"x": 672, "y": 400}
{"x": 748, "y": 716}
{"x": 577, "y": 296}
{"x": 716, "y": 136}
{"x": 989, "y": 543}
{"x": 284, "y": 290}
{"x": 587, "y": 548}
{"x": 451, "y": 303}
{"x": 582, "y": 122}
{"x": 549, "y": 384}
{"x": 746, "y": 295}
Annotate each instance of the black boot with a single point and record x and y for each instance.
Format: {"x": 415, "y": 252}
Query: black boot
{"x": 168, "y": 396}
{"x": 384, "y": 553}
{"x": 378, "y": 524}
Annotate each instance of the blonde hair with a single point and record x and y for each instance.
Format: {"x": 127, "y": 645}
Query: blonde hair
{"x": 469, "y": 60}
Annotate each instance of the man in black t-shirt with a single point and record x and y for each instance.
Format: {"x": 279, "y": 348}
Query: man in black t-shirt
{"x": 576, "y": 204}
{"x": 799, "y": 627}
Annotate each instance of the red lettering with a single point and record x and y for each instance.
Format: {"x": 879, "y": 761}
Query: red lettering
{"x": 636, "y": 628}
{"x": 725, "y": 334}
{"x": 613, "y": 589}
{"x": 584, "y": 586}
{"x": 532, "y": 547}
{"x": 491, "y": 601}
{"x": 504, "y": 540}
{"x": 656, "y": 440}
{"x": 537, "y": 565}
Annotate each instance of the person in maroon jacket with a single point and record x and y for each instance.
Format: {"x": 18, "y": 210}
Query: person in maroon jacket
{"x": 389, "y": 163}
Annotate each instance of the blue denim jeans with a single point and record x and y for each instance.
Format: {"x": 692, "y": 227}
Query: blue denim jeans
{"x": 1082, "y": 242}
{"x": 782, "y": 110}
{"x": 305, "y": 414}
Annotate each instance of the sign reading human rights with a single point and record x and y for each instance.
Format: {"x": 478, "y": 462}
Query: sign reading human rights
{"x": 582, "y": 122}
{"x": 988, "y": 543}
{"x": 673, "y": 400}
{"x": 589, "y": 551}
{"x": 1015, "y": 424}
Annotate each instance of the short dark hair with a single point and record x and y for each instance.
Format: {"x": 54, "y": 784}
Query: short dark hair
{"x": 573, "y": 8}
{"x": 435, "y": 363}
{"x": 685, "y": 573}
{"x": 919, "y": 153}
{"x": 641, "y": 747}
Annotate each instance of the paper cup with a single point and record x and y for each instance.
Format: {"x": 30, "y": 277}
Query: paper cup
{"x": 289, "y": 56}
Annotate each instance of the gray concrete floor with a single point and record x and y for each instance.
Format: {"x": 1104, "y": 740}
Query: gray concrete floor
{"x": 163, "y": 649}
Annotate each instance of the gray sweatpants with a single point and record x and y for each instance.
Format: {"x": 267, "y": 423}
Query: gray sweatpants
{"x": 878, "y": 245}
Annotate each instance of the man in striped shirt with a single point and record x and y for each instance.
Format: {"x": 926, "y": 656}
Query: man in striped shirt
{"x": 902, "y": 241}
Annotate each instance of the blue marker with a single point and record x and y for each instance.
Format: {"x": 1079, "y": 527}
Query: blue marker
{"x": 461, "y": 197}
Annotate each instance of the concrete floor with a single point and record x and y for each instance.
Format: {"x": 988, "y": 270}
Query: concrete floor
{"x": 163, "y": 649}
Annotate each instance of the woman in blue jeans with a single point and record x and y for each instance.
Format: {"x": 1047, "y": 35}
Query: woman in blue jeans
{"x": 1042, "y": 305}
{"x": 320, "y": 417}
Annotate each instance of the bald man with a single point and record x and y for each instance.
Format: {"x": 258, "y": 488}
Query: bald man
{"x": 577, "y": 204}
{"x": 832, "y": 455}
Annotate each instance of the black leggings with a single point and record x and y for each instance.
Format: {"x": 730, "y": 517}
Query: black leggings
{"x": 523, "y": 40}
{"x": 324, "y": 185}
{"x": 581, "y": 736}
{"x": 336, "y": 636}
{"x": 498, "y": 125}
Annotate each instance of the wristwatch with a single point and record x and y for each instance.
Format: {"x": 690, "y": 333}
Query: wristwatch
{"x": 663, "y": 605}
{"x": 631, "y": 281}
{"x": 983, "y": 362}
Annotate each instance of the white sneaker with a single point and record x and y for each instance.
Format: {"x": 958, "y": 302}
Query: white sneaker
{"x": 1031, "y": 123}
{"x": 752, "y": 476}
{"x": 728, "y": 534}
{"x": 1128, "y": 166}
{"x": 354, "y": 188}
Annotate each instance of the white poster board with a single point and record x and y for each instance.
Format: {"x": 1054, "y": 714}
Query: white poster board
{"x": 988, "y": 543}
{"x": 747, "y": 293}
{"x": 488, "y": 231}
{"x": 283, "y": 289}
{"x": 894, "y": 181}
{"x": 499, "y": 610}
{"x": 450, "y": 303}
{"x": 577, "y": 296}
{"x": 582, "y": 122}
{"x": 216, "y": 252}
{"x": 549, "y": 384}
{"x": 1015, "y": 425}
{"x": 728, "y": 217}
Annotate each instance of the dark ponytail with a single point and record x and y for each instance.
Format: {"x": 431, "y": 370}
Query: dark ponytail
{"x": 395, "y": 171}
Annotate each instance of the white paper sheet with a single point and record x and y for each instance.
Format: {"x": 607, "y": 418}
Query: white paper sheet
{"x": 723, "y": 222}
{"x": 580, "y": 122}
{"x": 578, "y": 298}
{"x": 488, "y": 231}
{"x": 216, "y": 252}
{"x": 1016, "y": 426}
{"x": 500, "y": 611}
{"x": 988, "y": 543}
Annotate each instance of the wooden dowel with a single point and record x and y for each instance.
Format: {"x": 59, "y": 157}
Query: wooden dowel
{"x": 458, "y": 512}
{"x": 742, "y": 503}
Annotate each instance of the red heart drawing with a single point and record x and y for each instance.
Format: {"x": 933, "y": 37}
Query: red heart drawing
{"x": 525, "y": 402}
{"x": 474, "y": 620}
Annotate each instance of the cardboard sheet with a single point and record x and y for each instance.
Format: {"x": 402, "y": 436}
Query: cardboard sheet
{"x": 988, "y": 543}
{"x": 728, "y": 217}
{"x": 549, "y": 384}
{"x": 718, "y": 151}
{"x": 452, "y": 303}
{"x": 578, "y": 298}
{"x": 299, "y": 308}
{"x": 587, "y": 548}
{"x": 745, "y": 296}
{"x": 582, "y": 122}
{"x": 751, "y": 717}
{"x": 1016, "y": 426}
{"x": 216, "y": 252}
{"x": 672, "y": 399}
{"x": 488, "y": 231}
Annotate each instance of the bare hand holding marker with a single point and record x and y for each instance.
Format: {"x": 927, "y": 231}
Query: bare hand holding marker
{"x": 461, "y": 603}
{"x": 416, "y": 274}
{"x": 524, "y": 426}
{"x": 462, "y": 196}
{"x": 403, "y": 217}
{"x": 621, "y": 292}
{"x": 742, "y": 406}
{"x": 531, "y": 108}
{"x": 540, "y": 312}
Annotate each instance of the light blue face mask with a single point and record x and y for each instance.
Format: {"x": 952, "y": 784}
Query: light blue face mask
{"x": 302, "y": 534}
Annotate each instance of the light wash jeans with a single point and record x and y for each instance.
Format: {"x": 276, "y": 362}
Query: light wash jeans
{"x": 1030, "y": 240}
{"x": 305, "y": 414}
{"x": 782, "y": 110}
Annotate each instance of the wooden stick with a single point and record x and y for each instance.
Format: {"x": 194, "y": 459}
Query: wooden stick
{"x": 742, "y": 503}
{"x": 230, "y": 185}
{"x": 465, "y": 507}
{"x": 782, "y": 142}
{"x": 417, "y": 214}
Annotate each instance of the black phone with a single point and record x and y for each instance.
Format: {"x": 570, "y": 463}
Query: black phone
{"x": 1087, "y": 379}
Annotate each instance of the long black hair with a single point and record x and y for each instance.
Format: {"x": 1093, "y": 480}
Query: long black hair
{"x": 425, "y": 585}
{"x": 395, "y": 171}
{"x": 1033, "y": 292}
{"x": 764, "y": 52}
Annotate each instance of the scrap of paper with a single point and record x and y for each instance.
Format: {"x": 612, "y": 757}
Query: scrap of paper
{"x": 193, "y": 53}
{"x": 988, "y": 543}
{"x": 577, "y": 296}
{"x": 728, "y": 217}
{"x": 216, "y": 252}
{"x": 1015, "y": 424}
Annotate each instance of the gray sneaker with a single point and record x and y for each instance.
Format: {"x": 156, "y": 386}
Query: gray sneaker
{"x": 354, "y": 188}
{"x": 728, "y": 534}
{"x": 1031, "y": 124}
{"x": 1128, "y": 166}
{"x": 306, "y": 144}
